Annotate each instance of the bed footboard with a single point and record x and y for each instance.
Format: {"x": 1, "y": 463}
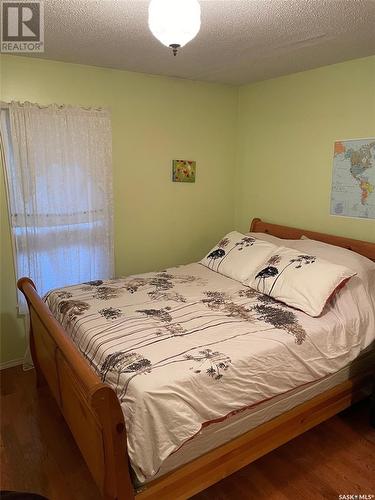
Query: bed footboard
{"x": 90, "y": 408}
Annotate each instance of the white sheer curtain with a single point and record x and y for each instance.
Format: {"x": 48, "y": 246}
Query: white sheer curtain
{"x": 59, "y": 183}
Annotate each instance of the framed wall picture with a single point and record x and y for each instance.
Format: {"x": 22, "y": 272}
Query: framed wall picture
{"x": 183, "y": 171}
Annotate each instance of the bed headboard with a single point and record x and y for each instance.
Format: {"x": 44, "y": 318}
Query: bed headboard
{"x": 362, "y": 247}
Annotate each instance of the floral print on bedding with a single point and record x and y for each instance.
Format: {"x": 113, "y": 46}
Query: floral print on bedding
{"x": 238, "y": 255}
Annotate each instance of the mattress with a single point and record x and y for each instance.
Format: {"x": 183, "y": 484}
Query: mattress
{"x": 187, "y": 346}
{"x": 219, "y": 433}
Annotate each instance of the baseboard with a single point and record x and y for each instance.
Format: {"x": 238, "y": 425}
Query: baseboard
{"x": 10, "y": 364}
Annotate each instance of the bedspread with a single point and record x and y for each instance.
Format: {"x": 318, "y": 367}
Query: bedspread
{"x": 186, "y": 346}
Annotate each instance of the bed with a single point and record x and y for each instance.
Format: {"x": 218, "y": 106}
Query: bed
{"x": 215, "y": 436}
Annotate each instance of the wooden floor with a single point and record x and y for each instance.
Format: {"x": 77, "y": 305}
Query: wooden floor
{"x": 38, "y": 455}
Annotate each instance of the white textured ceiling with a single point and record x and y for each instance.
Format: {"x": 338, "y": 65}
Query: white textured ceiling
{"x": 240, "y": 40}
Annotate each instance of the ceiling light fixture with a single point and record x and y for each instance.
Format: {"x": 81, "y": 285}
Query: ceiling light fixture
{"x": 174, "y": 22}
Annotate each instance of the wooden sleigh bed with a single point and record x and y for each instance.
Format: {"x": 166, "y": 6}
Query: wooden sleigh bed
{"x": 94, "y": 416}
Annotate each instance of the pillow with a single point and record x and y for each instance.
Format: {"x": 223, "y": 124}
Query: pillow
{"x": 364, "y": 267}
{"x": 238, "y": 255}
{"x": 280, "y": 242}
{"x": 299, "y": 280}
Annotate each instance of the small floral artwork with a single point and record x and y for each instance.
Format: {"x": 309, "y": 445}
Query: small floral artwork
{"x": 183, "y": 171}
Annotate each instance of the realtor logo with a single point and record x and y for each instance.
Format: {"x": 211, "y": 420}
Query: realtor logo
{"x": 22, "y": 26}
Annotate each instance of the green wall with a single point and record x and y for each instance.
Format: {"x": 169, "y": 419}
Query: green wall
{"x": 262, "y": 150}
{"x": 158, "y": 223}
{"x": 287, "y": 128}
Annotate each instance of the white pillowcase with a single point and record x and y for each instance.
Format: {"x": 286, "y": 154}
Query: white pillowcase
{"x": 364, "y": 267}
{"x": 238, "y": 255}
{"x": 299, "y": 280}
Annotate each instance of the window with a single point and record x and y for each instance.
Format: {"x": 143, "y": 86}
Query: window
{"x": 59, "y": 184}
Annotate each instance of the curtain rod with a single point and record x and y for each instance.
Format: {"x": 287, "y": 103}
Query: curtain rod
{"x": 6, "y": 105}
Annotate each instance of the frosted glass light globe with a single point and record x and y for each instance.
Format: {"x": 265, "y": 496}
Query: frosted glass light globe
{"x": 174, "y": 22}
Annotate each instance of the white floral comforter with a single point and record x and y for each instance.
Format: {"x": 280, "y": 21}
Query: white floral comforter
{"x": 187, "y": 345}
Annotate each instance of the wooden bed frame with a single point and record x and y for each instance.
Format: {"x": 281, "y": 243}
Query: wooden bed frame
{"x": 93, "y": 413}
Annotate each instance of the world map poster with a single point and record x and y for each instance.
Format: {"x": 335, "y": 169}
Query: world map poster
{"x": 353, "y": 178}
